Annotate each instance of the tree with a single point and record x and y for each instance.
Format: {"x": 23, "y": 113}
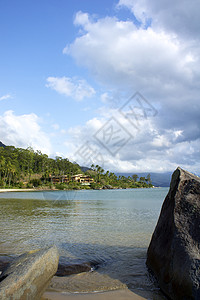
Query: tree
{"x": 148, "y": 179}
{"x": 2, "y": 166}
{"x": 135, "y": 177}
{"x": 142, "y": 179}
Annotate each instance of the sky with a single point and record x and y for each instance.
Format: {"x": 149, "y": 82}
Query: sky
{"x": 113, "y": 83}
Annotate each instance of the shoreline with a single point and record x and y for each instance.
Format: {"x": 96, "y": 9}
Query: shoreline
{"x": 124, "y": 294}
{"x": 27, "y": 190}
{"x": 52, "y": 190}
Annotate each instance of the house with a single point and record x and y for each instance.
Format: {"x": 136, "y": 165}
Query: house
{"x": 84, "y": 179}
{"x": 59, "y": 179}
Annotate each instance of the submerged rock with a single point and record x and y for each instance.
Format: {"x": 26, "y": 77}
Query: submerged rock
{"x": 174, "y": 251}
{"x": 28, "y": 276}
{"x": 85, "y": 283}
{"x": 69, "y": 269}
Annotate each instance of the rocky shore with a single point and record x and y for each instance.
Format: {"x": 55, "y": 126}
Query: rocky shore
{"x": 174, "y": 252}
{"x": 28, "y": 276}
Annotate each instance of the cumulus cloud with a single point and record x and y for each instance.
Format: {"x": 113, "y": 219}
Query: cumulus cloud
{"x": 180, "y": 17}
{"x": 4, "y": 97}
{"x": 76, "y": 89}
{"x": 118, "y": 53}
{"x": 23, "y": 131}
{"x": 157, "y": 56}
{"x": 81, "y": 18}
{"x": 149, "y": 148}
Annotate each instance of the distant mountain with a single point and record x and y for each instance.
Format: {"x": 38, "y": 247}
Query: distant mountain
{"x": 158, "y": 179}
{"x": 2, "y": 145}
{"x": 85, "y": 169}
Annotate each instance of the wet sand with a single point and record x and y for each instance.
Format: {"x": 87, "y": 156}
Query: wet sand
{"x": 124, "y": 294}
{"x": 81, "y": 287}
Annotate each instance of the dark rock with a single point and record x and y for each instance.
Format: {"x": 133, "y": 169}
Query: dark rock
{"x": 5, "y": 261}
{"x": 174, "y": 251}
{"x": 69, "y": 269}
{"x": 107, "y": 187}
{"x": 28, "y": 276}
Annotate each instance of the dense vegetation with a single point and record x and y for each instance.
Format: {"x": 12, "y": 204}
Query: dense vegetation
{"x": 27, "y": 168}
{"x": 19, "y": 165}
{"x": 109, "y": 179}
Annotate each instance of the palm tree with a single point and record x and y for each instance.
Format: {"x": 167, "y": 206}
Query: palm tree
{"x": 135, "y": 177}
{"x": 2, "y": 166}
{"x": 142, "y": 179}
{"x": 148, "y": 179}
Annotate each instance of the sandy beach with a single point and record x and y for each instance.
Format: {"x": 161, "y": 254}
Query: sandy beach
{"x": 81, "y": 287}
{"x": 124, "y": 294}
{"x": 17, "y": 190}
{"x": 26, "y": 190}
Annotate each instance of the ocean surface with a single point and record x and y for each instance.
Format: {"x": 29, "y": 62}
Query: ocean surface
{"x": 108, "y": 228}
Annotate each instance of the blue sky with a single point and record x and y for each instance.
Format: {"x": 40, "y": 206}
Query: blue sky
{"x": 111, "y": 82}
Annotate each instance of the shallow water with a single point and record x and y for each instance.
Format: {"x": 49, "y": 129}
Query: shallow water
{"x": 111, "y": 228}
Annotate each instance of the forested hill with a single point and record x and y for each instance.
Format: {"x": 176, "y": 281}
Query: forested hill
{"x": 18, "y": 163}
{"x": 27, "y": 168}
{"x": 2, "y": 145}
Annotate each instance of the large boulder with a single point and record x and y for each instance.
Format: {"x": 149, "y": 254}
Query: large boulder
{"x": 174, "y": 251}
{"x": 28, "y": 276}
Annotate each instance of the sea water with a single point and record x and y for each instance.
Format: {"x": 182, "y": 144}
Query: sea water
{"x": 108, "y": 228}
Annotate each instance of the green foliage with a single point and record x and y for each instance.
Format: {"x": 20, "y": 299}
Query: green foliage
{"x": 36, "y": 182}
{"x": 26, "y": 167}
{"x": 20, "y": 185}
{"x": 17, "y": 164}
{"x": 60, "y": 186}
{"x": 135, "y": 177}
{"x": 29, "y": 185}
{"x": 2, "y": 184}
{"x": 94, "y": 185}
{"x": 108, "y": 179}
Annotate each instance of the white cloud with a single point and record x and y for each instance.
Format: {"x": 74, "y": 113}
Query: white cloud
{"x": 76, "y": 89}
{"x": 81, "y": 18}
{"x": 23, "y": 131}
{"x": 150, "y": 147}
{"x": 181, "y": 17}
{"x": 137, "y": 8}
{"x": 119, "y": 54}
{"x": 162, "y": 62}
{"x": 4, "y": 97}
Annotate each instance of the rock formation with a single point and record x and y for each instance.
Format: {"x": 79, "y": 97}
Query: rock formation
{"x": 5, "y": 261}
{"x": 174, "y": 251}
{"x": 28, "y": 276}
{"x": 69, "y": 269}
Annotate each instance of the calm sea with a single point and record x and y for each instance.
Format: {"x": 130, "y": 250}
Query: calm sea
{"x": 111, "y": 228}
